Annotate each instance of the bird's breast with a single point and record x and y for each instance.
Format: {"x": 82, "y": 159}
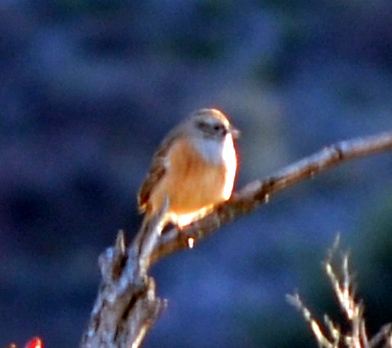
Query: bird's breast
{"x": 196, "y": 179}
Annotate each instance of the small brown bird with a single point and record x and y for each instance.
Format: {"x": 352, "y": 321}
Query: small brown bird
{"x": 194, "y": 168}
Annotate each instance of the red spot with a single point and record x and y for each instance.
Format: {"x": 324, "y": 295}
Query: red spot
{"x": 35, "y": 342}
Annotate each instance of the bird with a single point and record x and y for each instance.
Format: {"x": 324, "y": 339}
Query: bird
{"x": 192, "y": 171}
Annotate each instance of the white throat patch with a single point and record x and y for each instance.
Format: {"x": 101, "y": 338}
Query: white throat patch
{"x": 210, "y": 149}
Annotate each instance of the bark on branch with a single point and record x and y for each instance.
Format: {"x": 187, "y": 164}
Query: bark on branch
{"x": 127, "y": 305}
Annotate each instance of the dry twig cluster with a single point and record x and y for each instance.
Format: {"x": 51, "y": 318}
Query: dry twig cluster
{"x": 332, "y": 335}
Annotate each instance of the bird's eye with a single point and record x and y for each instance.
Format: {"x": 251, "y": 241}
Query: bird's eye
{"x": 220, "y": 128}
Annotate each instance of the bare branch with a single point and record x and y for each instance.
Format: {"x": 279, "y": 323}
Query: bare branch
{"x": 258, "y": 192}
{"x": 127, "y": 306}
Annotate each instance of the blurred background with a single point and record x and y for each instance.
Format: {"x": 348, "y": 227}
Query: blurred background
{"x": 87, "y": 91}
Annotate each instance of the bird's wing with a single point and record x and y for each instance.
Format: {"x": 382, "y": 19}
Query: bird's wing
{"x": 157, "y": 171}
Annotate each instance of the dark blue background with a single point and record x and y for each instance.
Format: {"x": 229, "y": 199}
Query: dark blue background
{"x": 87, "y": 91}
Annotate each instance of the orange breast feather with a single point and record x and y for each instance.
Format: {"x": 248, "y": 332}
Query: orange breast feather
{"x": 190, "y": 182}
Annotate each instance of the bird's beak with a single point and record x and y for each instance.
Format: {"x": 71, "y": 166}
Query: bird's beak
{"x": 235, "y": 133}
